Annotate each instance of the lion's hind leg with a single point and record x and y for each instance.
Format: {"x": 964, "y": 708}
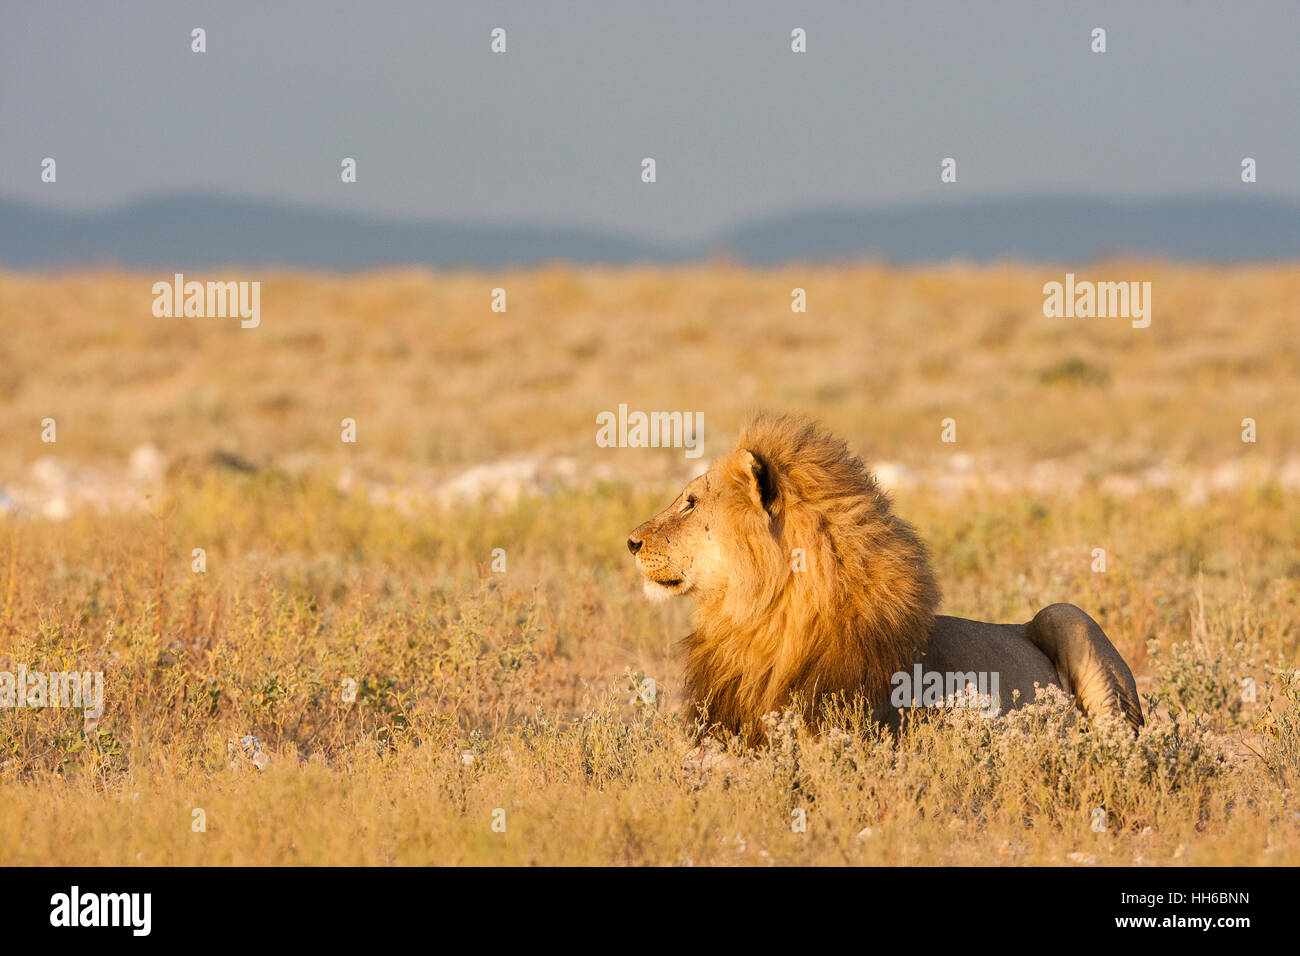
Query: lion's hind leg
{"x": 1086, "y": 662}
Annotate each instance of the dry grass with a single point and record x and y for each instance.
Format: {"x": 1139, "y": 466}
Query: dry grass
{"x": 433, "y": 377}
{"x": 479, "y": 691}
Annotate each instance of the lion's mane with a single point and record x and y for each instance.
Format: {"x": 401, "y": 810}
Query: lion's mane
{"x": 857, "y": 613}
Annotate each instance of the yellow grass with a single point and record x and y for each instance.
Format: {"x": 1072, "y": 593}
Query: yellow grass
{"x": 480, "y": 691}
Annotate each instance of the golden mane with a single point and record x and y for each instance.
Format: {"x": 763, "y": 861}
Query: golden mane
{"x": 855, "y": 614}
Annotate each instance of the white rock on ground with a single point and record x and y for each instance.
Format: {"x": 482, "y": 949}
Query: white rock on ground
{"x": 893, "y": 475}
{"x": 147, "y": 464}
{"x": 53, "y": 490}
{"x": 501, "y": 482}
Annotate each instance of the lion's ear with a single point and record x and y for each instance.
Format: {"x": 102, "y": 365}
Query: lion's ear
{"x": 760, "y": 480}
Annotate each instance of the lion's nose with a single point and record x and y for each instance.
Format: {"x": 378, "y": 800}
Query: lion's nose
{"x": 634, "y": 545}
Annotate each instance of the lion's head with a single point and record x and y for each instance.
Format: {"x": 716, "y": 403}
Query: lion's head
{"x": 806, "y": 582}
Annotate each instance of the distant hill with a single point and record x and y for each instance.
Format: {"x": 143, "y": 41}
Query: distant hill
{"x": 1036, "y": 230}
{"x": 203, "y": 232}
{"x": 189, "y": 233}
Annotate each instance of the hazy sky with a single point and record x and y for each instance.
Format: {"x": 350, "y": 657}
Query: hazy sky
{"x": 555, "y": 129}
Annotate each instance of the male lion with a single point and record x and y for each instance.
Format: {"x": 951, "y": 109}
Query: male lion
{"x": 853, "y": 609}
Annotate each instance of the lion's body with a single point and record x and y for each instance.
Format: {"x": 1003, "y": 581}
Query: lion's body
{"x": 1061, "y": 646}
{"x": 959, "y": 646}
{"x": 808, "y": 585}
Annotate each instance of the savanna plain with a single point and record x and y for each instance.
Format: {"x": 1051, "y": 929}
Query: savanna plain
{"x": 430, "y": 645}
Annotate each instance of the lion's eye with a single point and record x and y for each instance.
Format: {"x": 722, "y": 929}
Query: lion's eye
{"x": 690, "y": 503}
